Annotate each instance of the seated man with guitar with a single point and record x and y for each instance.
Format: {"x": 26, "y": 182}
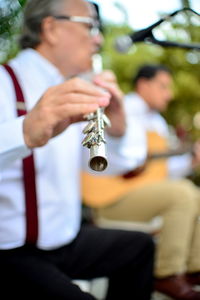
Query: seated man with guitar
{"x": 157, "y": 189}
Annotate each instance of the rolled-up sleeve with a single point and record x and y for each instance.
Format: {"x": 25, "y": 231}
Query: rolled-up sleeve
{"x": 180, "y": 165}
{"x": 12, "y": 145}
{"x": 127, "y": 152}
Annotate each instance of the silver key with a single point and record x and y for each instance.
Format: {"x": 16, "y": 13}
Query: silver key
{"x": 89, "y": 127}
{"x": 106, "y": 120}
{"x": 89, "y": 139}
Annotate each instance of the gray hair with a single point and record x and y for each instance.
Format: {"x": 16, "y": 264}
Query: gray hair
{"x": 35, "y": 11}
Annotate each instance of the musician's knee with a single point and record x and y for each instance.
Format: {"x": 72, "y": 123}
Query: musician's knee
{"x": 183, "y": 194}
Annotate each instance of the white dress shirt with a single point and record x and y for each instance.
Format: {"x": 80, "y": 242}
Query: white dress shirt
{"x": 57, "y": 164}
{"x": 151, "y": 120}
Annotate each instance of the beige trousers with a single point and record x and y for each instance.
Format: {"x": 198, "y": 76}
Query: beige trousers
{"x": 178, "y": 202}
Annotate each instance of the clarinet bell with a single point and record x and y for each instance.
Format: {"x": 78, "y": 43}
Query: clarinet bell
{"x": 98, "y": 161}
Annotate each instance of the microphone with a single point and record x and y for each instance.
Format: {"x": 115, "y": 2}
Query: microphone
{"x": 124, "y": 42}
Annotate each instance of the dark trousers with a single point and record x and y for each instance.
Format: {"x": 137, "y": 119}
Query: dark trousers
{"x": 125, "y": 257}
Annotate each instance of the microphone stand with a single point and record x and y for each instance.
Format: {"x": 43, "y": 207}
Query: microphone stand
{"x": 152, "y": 40}
{"x": 146, "y": 34}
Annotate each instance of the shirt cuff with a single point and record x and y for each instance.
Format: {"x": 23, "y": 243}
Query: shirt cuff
{"x": 180, "y": 166}
{"x": 12, "y": 144}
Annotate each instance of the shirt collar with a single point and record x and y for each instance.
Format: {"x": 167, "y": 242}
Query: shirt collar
{"x": 144, "y": 104}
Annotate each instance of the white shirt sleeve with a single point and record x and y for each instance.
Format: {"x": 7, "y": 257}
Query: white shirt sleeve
{"x": 12, "y": 145}
{"x": 128, "y": 152}
{"x": 179, "y": 166}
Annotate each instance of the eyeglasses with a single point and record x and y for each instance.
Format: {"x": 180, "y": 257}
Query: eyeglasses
{"x": 93, "y": 25}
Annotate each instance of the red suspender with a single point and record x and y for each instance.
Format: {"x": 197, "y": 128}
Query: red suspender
{"x": 28, "y": 172}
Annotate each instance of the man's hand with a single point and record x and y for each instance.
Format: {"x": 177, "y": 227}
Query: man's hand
{"x": 115, "y": 110}
{"x": 59, "y": 107}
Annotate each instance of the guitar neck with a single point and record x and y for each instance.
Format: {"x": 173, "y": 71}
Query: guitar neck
{"x": 157, "y": 156}
{"x": 170, "y": 153}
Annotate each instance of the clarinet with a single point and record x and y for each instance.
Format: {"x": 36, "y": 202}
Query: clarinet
{"x": 94, "y": 130}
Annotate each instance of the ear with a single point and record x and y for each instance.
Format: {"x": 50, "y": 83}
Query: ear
{"x": 49, "y": 30}
{"x": 142, "y": 82}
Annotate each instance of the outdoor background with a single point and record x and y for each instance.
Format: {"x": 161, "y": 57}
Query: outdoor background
{"x": 125, "y": 16}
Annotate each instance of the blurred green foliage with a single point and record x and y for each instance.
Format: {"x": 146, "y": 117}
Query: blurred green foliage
{"x": 10, "y": 25}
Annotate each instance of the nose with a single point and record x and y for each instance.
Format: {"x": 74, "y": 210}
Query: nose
{"x": 98, "y": 39}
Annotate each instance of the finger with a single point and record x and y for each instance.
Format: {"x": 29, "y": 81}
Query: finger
{"x": 112, "y": 88}
{"x": 81, "y": 86}
{"x": 106, "y": 76}
{"x": 106, "y": 84}
{"x": 77, "y": 98}
{"x": 73, "y": 110}
{"x": 64, "y": 93}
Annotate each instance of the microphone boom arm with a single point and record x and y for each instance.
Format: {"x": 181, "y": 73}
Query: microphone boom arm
{"x": 152, "y": 40}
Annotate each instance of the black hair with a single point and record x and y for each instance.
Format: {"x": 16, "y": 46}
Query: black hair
{"x": 97, "y": 9}
{"x": 149, "y": 71}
